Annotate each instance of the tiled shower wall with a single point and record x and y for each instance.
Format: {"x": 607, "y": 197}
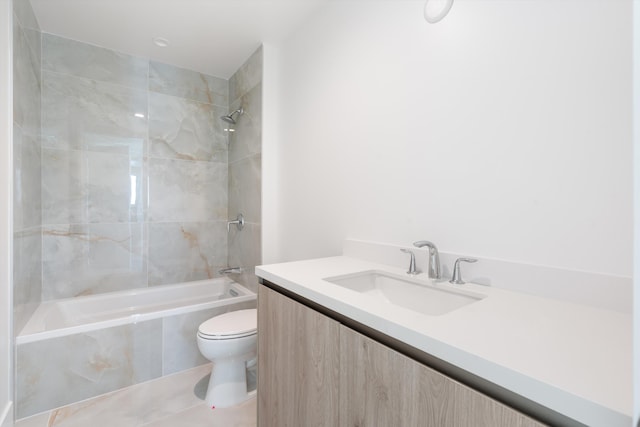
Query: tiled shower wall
{"x": 27, "y": 262}
{"x": 135, "y": 171}
{"x": 245, "y": 169}
{"x": 105, "y": 200}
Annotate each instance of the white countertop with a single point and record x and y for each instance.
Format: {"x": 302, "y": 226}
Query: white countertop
{"x": 573, "y": 359}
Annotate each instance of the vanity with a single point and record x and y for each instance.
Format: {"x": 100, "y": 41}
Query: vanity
{"x": 338, "y": 347}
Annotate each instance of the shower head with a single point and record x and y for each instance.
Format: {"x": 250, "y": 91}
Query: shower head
{"x": 229, "y": 117}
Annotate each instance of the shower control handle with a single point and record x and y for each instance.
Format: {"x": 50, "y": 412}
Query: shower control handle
{"x": 239, "y": 222}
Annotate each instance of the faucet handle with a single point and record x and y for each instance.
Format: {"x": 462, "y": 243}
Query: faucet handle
{"x": 412, "y": 263}
{"x": 457, "y": 276}
{"x": 239, "y": 222}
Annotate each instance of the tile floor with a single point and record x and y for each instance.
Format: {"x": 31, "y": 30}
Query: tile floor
{"x": 172, "y": 401}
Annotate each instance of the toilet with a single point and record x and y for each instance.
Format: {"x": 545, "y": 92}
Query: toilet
{"x": 229, "y": 341}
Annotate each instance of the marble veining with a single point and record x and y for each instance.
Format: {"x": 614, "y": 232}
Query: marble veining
{"x": 184, "y": 129}
{"x": 78, "y": 113}
{"x": 101, "y": 361}
{"x": 27, "y": 162}
{"x": 63, "y": 192}
{"x": 116, "y": 186}
{"x": 86, "y": 259}
{"x": 181, "y": 252}
{"x": 245, "y": 169}
{"x": 171, "y": 80}
{"x": 96, "y": 187}
{"x": 123, "y": 181}
{"x": 27, "y": 215}
{"x": 94, "y": 352}
{"x": 247, "y": 76}
{"x": 27, "y": 274}
{"x": 92, "y": 62}
{"x": 243, "y": 415}
{"x": 163, "y": 402}
{"x": 245, "y": 188}
{"x": 99, "y": 170}
{"x": 247, "y": 138}
{"x": 187, "y": 191}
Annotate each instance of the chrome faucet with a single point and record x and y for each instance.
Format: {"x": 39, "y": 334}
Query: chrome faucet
{"x": 230, "y": 270}
{"x": 434, "y": 258}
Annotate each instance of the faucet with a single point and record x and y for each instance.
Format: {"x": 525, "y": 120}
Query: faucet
{"x": 230, "y": 270}
{"x": 434, "y": 258}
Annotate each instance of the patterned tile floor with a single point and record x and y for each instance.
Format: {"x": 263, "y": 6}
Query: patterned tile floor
{"x": 172, "y": 401}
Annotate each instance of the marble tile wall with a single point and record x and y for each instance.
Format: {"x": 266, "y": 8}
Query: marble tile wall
{"x": 27, "y": 161}
{"x": 124, "y": 179}
{"x": 178, "y": 332}
{"x": 49, "y": 375}
{"x": 134, "y": 171}
{"x": 245, "y": 169}
{"x": 107, "y": 359}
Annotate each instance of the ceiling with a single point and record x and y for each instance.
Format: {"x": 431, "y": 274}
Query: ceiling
{"x": 214, "y": 37}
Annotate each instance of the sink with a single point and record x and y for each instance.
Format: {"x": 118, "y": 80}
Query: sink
{"x": 413, "y": 294}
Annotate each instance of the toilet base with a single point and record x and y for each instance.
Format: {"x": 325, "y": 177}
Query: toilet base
{"x": 228, "y": 384}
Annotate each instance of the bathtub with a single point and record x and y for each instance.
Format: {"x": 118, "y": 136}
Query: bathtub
{"x": 82, "y": 314}
{"x": 91, "y": 345}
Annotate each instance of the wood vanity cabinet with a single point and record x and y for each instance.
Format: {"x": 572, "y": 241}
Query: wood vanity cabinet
{"x": 298, "y": 364}
{"x": 315, "y": 371}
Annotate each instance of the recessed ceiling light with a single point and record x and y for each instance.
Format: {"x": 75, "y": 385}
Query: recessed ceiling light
{"x": 160, "y": 42}
{"x": 139, "y": 115}
{"x": 435, "y": 10}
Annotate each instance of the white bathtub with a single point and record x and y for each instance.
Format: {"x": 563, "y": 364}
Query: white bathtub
{"x": 82, "y": 314}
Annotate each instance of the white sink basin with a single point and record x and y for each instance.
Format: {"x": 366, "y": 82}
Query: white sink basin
{"x": 410, "y": 293}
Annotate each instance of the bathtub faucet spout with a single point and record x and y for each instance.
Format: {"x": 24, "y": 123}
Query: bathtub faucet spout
{"x": 230, "y": 270}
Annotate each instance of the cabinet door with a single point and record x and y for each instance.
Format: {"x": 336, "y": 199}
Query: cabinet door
{"x": 298, "y": 372}
{"x": 381, "y": 387}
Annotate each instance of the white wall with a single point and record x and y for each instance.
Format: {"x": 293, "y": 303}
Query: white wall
{"x": 270, "y": 153}
{"x": 636, "y": 257}
{"x": 6, "y": 105}
{"x": 503, "y": 131}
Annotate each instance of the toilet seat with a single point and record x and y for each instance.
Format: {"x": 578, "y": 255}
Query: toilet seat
{"x": 235, "y": 324}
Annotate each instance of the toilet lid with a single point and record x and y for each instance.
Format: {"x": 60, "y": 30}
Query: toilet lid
{"x": 233, "y": 324}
